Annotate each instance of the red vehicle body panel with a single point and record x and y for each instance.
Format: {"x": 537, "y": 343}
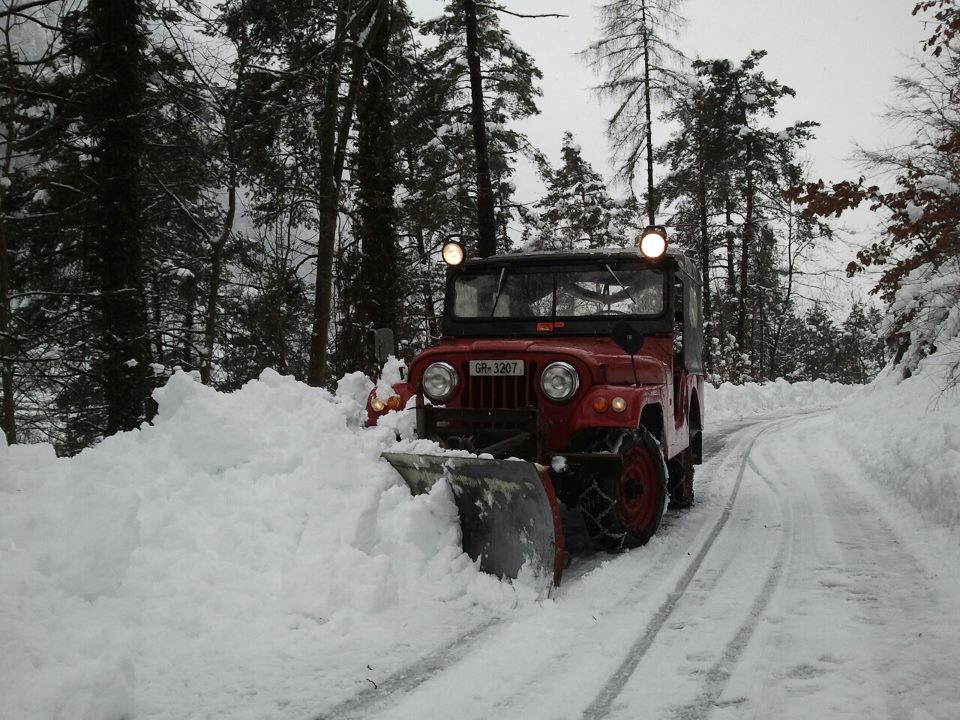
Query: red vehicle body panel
{"x": 605, "y": 370}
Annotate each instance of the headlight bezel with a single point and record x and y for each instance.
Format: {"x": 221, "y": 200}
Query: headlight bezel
{"x": 449, "y": 371}
{"x": 566, "y": 369}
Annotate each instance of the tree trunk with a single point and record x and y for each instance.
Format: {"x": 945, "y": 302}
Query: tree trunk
{"x": 651, "y": 207}
{"x": 333, "y": 129}
{"x": 731, "y": 277}
{"x": 745, "y": 256}
{"x": 705, "y": 251}
{"x": 155, "y": 304}
{"x": 430, "y": 325}
{"x": 189, "y": 295}
{"x": 117, "y": 38}
{"x": 785, "y": 308}
{"x": 216, "y": 272}
{"x": 327, "y": 207}
{"x": 486, "y": 219}
{"x": 8, "y": 419}
{"x": 379, "y": 279}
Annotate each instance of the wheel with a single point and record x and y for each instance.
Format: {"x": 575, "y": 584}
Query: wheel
{"x": 680, "y": 479}
{"x": 623, "y": 511}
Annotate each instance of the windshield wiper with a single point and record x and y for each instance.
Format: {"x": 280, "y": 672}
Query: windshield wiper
{"x": 622, "y": 286}
{"x": 499, "y": 288}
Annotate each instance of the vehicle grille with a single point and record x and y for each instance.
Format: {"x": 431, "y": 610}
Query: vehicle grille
{"x": 500, "y": 393}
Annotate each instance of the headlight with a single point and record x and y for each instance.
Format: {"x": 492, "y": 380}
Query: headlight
{"x": 453, "y": 253}
{"x": 653, "y": 242}
{"x": 439, "y": 380}
{"x": 559, "y": 381}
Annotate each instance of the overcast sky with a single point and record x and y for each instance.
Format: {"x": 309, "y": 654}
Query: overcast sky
{"x": 838, "y": 55}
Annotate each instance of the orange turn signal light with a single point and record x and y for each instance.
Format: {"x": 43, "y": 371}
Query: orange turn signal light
{"x": 600, "y": 404}
{"x": 393, "y": 402}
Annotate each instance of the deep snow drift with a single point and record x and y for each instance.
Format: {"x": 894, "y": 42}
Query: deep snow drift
{"x": 250, "y": 556}
{"x": 906, "y": 435}
{"x": 243, "y": 543}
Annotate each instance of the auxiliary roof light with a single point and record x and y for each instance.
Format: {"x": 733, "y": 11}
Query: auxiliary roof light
{"x": 653, "y": 242}
{"x": 452, "y": 253}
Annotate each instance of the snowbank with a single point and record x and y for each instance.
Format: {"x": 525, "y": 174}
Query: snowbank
{"x": 244, "y": 542}
{"x": 906, "y": 435}
{"x": 249, "y": 555}
{"x": 735, "y": 402}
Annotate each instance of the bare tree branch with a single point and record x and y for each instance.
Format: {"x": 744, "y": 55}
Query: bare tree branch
{"x": 17, "y": 9}
{"x": 498, "y": 8}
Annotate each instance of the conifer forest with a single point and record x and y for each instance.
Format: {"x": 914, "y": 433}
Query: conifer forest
{"x": 225, "y": 188}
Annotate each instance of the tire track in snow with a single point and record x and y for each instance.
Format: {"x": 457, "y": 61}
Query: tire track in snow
{"x": 407, "y": 679}
{"x": 718, "y": 675}
{"x": 719, "y": 444}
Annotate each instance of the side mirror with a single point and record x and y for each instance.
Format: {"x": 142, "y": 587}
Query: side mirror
{"x": 384, "y": 344}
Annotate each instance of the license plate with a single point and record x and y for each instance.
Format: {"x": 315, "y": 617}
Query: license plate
{"x": 487, "y": 368}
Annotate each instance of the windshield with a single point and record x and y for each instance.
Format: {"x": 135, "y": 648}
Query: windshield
{"x": 593, "y": 291}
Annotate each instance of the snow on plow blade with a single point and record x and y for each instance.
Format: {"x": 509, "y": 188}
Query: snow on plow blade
{"x": 509, "y": 516}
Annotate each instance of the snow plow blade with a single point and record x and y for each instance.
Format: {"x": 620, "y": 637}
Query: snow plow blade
{"x": 509, "y": 515}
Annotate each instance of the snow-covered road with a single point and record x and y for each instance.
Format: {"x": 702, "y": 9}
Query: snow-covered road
{"x": 793, "y": 589}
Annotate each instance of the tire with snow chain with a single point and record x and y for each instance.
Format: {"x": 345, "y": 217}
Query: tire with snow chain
{"x": 623, "y": 511}
{"x": 680, "y": 479}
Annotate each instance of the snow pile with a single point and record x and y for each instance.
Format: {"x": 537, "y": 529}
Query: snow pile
{"x": 249, "y": 555}
{"x": 736, "y": 402}
{"x": 906, "y": 434}
{"x": 244, "y": 542}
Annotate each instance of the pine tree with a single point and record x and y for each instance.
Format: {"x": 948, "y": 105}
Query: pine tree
{"x": 114, "y": 52}
{"x": 51, "y": 289}
{"x": 486, "y": 222}
{"x": 436, "y": 195}
{"x": 860, "y": 355}
{"x": 639, "y": 61}
{"x": 576, "y": 210}
{"x": 334, "y": 121}
{"x": 727, "y": 170}
{"x": 378, "y": 285}
{"x": 698, "y": 159}
{"x": 510, "y": 92}
{"x": 819, "y": 354}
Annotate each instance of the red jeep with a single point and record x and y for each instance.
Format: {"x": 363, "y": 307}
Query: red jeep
{"x": 586, "y": 362}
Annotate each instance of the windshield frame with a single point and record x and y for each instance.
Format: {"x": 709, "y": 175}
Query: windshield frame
{"x": 558, "y": 324}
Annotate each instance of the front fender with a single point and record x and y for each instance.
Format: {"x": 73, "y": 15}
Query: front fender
{"x": 585, "y": 417}
{"x": 404, "y": 391}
